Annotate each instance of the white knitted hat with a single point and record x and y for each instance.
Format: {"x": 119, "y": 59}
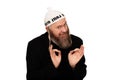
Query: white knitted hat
{"x": 52, "y": 16}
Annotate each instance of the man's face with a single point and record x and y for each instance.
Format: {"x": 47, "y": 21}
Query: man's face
{"x": 59, "y": 34}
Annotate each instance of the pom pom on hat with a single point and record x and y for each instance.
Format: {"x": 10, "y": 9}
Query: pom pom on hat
{"x": 52, "y": 16}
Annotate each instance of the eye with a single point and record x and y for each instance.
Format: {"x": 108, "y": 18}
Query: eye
{"x": 58, "y": 27}
{"x": 65, "y": 24}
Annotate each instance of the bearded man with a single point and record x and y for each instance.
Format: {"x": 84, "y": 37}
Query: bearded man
{"x": 56, "y": 54}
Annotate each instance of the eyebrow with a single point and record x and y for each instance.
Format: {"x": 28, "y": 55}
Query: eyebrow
{"x": 63, "y": 24}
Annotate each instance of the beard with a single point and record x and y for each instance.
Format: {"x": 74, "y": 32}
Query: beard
{"x": 63, "y": 40}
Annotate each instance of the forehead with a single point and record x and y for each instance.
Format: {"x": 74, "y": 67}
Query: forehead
{"x": 60, "y": 22}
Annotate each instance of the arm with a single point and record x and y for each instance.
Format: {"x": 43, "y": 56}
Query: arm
{"x": 36, "y": 69}
{"x": 77, "y": 62}
{"x": 80, "y": 71}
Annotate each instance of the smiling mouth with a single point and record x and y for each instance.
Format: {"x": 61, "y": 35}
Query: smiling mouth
{"x": 63, "y": 35}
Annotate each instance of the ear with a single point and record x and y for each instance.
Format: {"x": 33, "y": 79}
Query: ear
{"x": 46, "y": 28}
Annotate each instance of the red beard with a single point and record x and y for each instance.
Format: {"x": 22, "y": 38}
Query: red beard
{"x": 63, "y": 40}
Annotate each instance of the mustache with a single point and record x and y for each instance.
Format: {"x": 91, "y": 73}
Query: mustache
{"x": 64, "y": 33}
{"x": 63, "y": 39}
{"x": 67, "y": 33}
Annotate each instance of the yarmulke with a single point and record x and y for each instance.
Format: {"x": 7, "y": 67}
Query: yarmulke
{"x": 52, "y": 16}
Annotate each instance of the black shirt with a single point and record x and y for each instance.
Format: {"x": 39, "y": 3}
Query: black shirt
{"x": 40, "y": 66}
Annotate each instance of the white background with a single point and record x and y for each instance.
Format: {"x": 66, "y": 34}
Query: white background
{"x": 97, "y": 22}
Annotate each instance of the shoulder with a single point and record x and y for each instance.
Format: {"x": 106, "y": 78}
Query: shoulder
{"x": 76, "y": 39}
{"x": 39, "y": 40}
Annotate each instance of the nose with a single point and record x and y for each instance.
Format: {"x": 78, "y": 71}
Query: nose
{"x": 64, "y": 29}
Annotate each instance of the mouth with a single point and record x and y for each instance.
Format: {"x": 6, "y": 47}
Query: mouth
{"x": 63, "y": 35}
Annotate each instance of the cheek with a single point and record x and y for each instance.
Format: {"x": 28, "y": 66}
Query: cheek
{"x": 54, "y": 33}
{"x": 57, "y": 34}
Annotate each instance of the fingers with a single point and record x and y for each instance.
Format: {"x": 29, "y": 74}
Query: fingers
{"x": 57, "y": 52}
{"x": 82, "y": 48}
{"x": 50, "y": 47}
{"x": 71, "y": 52}
{"x": 78, "y": 50}
{"x": 54, "y": 51}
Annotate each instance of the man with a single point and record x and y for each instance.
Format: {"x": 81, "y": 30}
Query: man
{"x": 56, "y": 54}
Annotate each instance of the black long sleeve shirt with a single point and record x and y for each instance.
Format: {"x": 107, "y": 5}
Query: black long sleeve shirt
{"x": 40, "y": 66}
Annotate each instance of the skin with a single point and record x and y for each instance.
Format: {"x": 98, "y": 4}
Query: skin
{"x": 75, "y": 55}
{"x": 59, "y": 34}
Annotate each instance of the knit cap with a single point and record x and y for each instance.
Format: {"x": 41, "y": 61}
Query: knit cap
{"x": 52, "y": 16}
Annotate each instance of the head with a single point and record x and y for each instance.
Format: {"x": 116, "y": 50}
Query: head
{"x": 58, "y": 32}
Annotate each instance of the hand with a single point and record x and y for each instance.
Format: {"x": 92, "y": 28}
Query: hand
{"x": 55, "y": 55}
{"x": 75, "y": 55}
